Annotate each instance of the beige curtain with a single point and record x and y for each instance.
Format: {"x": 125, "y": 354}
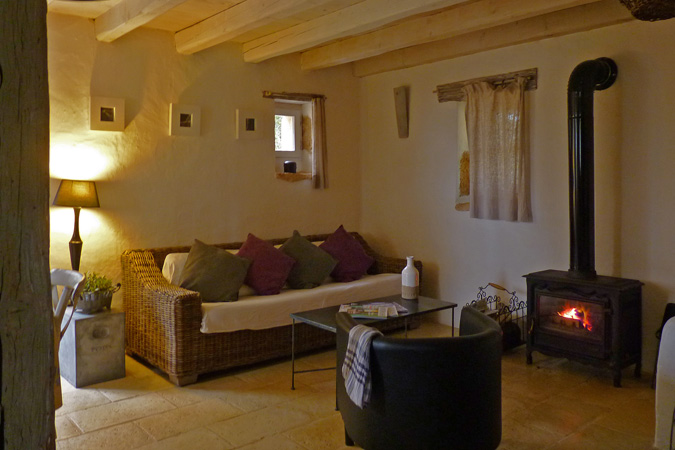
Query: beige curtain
{"x": 319, "y": 180}
{"x": 498, "y": 147}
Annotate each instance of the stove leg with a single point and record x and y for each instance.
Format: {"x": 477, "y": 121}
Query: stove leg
{"x": 617, "y": 378}
{"x": 638, "y": 369}
{"x": 529, "y": 357}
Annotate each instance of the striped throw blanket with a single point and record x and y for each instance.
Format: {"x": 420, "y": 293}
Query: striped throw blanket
{"x": 356, "y": 367}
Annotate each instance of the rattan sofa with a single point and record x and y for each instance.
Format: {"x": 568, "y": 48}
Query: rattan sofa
{"x": 163, "y": 320}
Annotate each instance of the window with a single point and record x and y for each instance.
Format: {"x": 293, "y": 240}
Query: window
{"x": 289, "y": 133}
{"x": 300, "y": 137}
{"x": 285, "y": 133}
{"x": 288, "y": 130}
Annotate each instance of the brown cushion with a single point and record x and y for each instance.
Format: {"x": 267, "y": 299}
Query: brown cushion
{"x": 213, "y": 272}
{"x": 312, "y": 264}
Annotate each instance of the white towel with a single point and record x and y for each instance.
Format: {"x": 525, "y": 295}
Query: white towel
{"x": 356, "y": 367}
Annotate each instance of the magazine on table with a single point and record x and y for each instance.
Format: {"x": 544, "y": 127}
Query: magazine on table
{"x": 374, "y": 310}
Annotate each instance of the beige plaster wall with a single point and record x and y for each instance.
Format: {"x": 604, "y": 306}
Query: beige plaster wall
{"x": 161, "y": 190}
{"x": 409, "y": 184}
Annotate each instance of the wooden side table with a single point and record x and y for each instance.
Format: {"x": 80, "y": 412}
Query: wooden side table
{"x": 92, "y": 350}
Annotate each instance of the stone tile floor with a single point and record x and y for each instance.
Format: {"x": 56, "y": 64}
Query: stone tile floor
{"x": 553, "y": 404}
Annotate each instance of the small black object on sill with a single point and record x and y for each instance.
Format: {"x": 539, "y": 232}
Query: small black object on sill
{"x": 290, "y": 167}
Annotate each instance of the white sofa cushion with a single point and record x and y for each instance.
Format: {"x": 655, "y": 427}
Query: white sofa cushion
{"x": 258, "y": 312}
{"x": 173, "y": 267}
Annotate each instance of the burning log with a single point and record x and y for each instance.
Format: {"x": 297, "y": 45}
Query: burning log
{"x": 566, "y": 322}
{"x": 574, "y": 317}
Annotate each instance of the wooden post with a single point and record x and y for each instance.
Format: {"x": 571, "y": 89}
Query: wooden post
{"x": 26, "y": 318}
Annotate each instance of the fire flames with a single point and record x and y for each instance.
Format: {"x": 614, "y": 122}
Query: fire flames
{"x": 577, "y": 314}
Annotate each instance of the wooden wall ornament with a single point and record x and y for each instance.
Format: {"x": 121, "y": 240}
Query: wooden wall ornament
{"x": 401, "y": 95}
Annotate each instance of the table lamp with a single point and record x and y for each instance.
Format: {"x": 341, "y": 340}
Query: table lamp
{"x": 78, "y": 194}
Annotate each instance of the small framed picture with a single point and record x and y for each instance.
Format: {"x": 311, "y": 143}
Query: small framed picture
{"x": 185, "y": 120}
{"x": 248, "y": 124}
{"x": 106, "y": 114}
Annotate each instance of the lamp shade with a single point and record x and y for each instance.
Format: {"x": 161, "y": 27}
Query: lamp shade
{"x": 77, "y": 193}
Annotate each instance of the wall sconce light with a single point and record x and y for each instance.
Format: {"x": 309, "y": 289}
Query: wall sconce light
{"x": 78, "y": 194}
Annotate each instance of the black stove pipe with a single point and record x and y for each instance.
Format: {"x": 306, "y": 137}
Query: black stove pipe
{"x": 587, "y": 77}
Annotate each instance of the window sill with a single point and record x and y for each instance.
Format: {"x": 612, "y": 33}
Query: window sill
{"x": 292, "y": 177}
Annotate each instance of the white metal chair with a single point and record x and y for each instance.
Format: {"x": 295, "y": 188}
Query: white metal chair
{"x": 70, "y": 283}
{"x": 67, "y": 286}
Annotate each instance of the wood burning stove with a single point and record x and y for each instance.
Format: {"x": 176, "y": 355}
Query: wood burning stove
{"x": 578, "y": 314}
{"x": 604, "y": 328}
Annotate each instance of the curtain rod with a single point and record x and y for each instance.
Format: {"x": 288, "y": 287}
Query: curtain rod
{"x": 291, "y": 96}
{"x": 452, "y": 92}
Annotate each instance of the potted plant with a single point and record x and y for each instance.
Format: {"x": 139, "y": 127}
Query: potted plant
{"x": 97, "y": 293}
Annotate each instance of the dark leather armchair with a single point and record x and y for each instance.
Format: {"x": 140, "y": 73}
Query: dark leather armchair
{"x": 432, "y": 393}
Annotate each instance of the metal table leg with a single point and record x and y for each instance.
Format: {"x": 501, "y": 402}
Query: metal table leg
{"x": 293, "y": 355}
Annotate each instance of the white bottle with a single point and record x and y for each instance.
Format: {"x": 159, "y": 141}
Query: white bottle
{"x": 410, "y": 280}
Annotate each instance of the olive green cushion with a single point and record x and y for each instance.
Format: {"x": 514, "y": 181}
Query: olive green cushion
{"x": 312, "y": 265}
{"x": 213, "y": 272}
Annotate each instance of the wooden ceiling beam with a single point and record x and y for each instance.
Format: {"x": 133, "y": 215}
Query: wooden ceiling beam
{"x": 237, "y": 20}
{"x": 560, "y": 23}
{"x": 128, "y": 15}
{"x": 359, "y": 18}
{"x": 456, "y": 21}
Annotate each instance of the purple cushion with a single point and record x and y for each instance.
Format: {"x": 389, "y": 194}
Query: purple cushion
{"x": 269, "y": 266}
{"x": 353, "y": 262}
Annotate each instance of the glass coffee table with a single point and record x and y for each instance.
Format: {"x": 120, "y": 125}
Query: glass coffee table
{"x": 324, "y": 318}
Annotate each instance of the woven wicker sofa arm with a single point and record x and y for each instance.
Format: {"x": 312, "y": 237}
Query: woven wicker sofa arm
{"x": 160, "y": 317}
